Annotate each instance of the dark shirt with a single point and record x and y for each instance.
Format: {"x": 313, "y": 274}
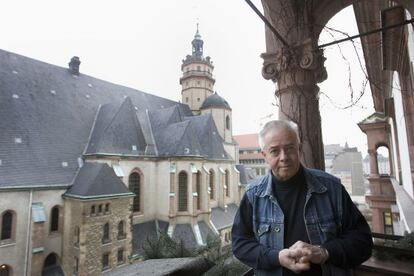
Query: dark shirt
{"x": 351, "y": 248}
{"x": 291, "y": 197}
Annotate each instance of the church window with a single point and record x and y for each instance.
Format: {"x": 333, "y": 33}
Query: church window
{"x": 186, "y": 99}
{"x": 105, "y": 236}
{"x": 54, "y": 221}
{"x": 211, "y": 184}
{"x": 107, "y": 208}
{"x": 198, "y": 68}
{"x": 100, "y": 208}
{"x": 182, "y": 192}
{"x": 135, "y": 187}
{"x": 120, "y": 256}
{"x": 227, "y": 183}
{"x": 93, "y": 210}
{"x": 121, "y": 231}
{"x": 228, "y": 122}
{"x": 105, "y": 261}
{"x": 198, "y": 82}
{"x": 198, "y": 99}
{"x": 198, "y": 188}
{"x": 7, "y": 225}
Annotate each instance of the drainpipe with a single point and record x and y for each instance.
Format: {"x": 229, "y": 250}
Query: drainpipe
{"x": 29, "y": 229}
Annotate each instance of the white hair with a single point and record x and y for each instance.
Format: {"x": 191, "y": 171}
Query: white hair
{"x": 277, "y": 125}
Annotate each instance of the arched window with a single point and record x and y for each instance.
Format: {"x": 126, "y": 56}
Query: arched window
{"x": 227, "y": 183}
{"x": 211, "y": 184}
{"x": 182, "y": 192}
{"x": 5, "y": 270}
{"x": 54, "y": 219}
{"x": 6, "y": 225}
{"x": 121, "y": 231}
{"x": 50, "y": 260}
{"x": 105, "y": 236}
{"x": 228, "y": 122}
{"x": 198, "y": 188}
{"x": 135, "y": 187}
{"x": 383, "y": 161}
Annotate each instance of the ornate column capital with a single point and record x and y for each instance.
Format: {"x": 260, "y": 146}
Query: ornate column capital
{"x": 302, "y": 57}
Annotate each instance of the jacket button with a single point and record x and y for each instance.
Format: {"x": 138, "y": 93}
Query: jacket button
{"x": 277, "y": 229}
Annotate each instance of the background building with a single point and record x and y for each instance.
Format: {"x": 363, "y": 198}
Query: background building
{"x": 346, "y": 164}
{"x": 250, "y": 154}
{"x": 89, "y": 168}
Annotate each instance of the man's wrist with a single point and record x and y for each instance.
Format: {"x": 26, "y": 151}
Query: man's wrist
{"x": 324, "y": 254}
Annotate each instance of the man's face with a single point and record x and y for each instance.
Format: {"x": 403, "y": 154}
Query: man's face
{"x": 282, "y": 152}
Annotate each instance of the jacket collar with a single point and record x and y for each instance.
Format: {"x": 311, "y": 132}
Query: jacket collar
{"x": 312, "y": 183}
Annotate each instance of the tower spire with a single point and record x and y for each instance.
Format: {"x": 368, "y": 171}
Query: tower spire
{"x": 197, "y": 44}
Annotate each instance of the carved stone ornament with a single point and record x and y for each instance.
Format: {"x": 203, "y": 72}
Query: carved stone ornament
{"x": 304, "y": 57}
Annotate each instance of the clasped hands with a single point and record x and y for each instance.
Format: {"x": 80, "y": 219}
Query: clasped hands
{"x": 299, "y": 256}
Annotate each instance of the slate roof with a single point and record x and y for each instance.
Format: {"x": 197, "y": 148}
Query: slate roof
{"x": 205, "y": 231}
{"x": 141, "y": 231}
{"x": 185, "y": 233}
{"x": 50, "y": 118}
{"x": 223, "y": 218}
{"x": 245, "y": 177}
{"x": 215, "y": 101}
{"x": 96, "y": 180}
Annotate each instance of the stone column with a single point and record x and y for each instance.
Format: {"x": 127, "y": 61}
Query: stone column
{"x": 373, "y": 163}
{"x": 297, "y": 70}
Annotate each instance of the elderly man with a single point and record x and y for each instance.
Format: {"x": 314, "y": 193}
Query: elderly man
{"x": 297, "y": 220}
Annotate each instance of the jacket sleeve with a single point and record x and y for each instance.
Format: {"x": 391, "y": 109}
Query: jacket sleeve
{"x": 245, "y": 246}
{"x": 354, "y": 244}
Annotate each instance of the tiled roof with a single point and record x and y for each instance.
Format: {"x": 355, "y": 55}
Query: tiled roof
{"x": 185, "y": 233}
{"x": 223, "y": 218}
{"x": 247, "y": 140}
{"x": 141, "y": 231}
{"x": 205, "y": 231}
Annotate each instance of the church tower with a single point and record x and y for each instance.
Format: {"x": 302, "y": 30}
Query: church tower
{"x": 197, "y": 82}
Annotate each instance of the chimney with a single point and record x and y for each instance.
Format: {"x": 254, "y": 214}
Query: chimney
{"x": 74, "y": 65}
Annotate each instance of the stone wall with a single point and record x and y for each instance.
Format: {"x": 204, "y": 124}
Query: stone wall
{"x": 91, "y": 247}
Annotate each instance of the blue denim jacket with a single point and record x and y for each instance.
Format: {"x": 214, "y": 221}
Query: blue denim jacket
{"x": 322, "y": 214}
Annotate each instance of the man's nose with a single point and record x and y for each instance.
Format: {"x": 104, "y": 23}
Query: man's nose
{"x": 283, "y": 155}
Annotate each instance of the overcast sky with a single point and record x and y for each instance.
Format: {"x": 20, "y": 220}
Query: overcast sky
{"x": 141, "y": 44}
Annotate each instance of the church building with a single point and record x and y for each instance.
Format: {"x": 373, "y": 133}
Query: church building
{"x": 89, "y": 169}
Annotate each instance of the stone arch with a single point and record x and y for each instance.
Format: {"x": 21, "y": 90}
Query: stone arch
{"x": 135, "y": 185}
{"x": 296, "y": 64}
{"x": 51, "y": 262}
{"x": 383, "y": 154}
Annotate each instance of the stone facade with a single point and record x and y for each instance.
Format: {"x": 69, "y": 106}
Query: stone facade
{"x": 84, "y": 243}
